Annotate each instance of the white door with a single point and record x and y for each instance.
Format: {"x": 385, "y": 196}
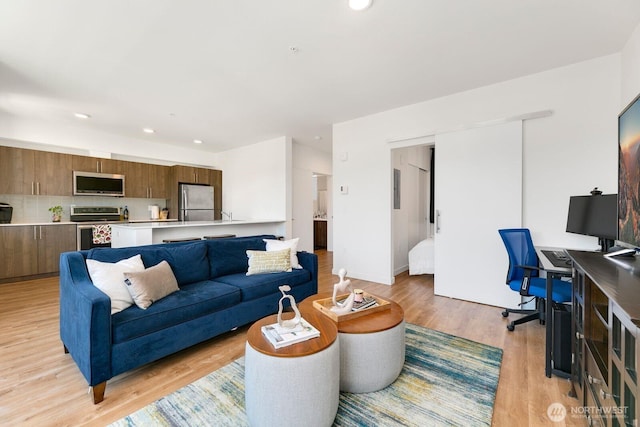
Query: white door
{"x": 478, "y": 190}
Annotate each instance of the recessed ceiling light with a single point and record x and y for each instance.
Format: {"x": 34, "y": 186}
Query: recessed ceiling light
{"x": 82, "y": 115}
{"x": 360, "y": 4}
{"x": 148, "y": 130}
{"x": 197, "y": 141}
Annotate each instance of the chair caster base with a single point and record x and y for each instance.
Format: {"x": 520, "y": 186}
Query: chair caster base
{"x": 505, "y": 313}
{"x": 511, "y": 326}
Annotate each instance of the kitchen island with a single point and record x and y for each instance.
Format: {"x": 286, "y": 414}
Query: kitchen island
{"x": 138, "y": 234}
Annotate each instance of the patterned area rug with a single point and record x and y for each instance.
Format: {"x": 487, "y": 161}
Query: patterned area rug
{"x": 446, "y": 380}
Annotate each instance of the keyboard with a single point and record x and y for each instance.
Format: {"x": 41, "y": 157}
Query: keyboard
{"x": 558, "y": 258}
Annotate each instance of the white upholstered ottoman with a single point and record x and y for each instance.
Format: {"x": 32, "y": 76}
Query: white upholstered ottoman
{"x": 296, "y": 385}
{"x": 372, "y": 347}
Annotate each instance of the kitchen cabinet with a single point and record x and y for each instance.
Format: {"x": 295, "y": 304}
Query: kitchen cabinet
{"x": 191, "y": 175}
{"x": 144, "y": 180}
{"x": 319, "y": 234}
{"x": 30, "y": 250}
{"x": 33, "y": 172}
{"x": 95, "y": 164}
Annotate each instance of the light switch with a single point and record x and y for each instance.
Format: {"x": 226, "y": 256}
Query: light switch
{"x": 344, "y": 189}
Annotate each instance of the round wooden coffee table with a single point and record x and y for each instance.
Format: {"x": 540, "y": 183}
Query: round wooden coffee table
{"x": 294, "y": 385}
{"x": 372, "y": 347}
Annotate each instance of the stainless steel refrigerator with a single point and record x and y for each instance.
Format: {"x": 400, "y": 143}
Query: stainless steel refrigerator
{"x": 195, "y": 202}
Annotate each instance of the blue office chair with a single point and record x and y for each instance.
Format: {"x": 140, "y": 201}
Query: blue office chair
{"x": 523, "y": 276}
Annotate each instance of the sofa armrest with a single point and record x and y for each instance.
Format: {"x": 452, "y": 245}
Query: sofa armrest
{"x": 85, "y": 319}
{"x": 309, "y": 261}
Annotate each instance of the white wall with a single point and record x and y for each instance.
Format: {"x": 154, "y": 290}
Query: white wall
{"x": 630, "y": 86}
{"x": 306, "y": 161}
{"x": 567, "y": 153}
{"x": 73, "y": 139}
{"x": 256, "y": 180}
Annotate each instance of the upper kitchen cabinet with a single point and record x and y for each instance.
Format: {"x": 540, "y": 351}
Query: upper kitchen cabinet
{"x": 191, "y": 175}
{"x": 146, "y": 180}
{"x": 95, "y": 164}
{"x": 35, "y": 172}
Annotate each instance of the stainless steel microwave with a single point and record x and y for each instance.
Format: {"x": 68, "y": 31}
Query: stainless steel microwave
{"x": 97, "y": 184}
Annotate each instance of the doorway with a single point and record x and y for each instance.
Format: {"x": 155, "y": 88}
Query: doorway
{"x": 411, "y": 201}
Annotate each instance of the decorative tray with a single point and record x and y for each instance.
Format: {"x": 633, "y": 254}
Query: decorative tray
{"x": 325, "y": 304}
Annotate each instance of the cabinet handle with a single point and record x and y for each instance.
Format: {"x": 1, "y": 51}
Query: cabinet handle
{"x": 38, "y": 188}
{"x": 437, "y": 221}
{"x": 605, "y": 395}
{"x": 35, "y": 236}
{"x": 593, "y": 380}
{"x": 33, "y": 190}
{"x": 97, "y": 166}
{"x": 40, "y": 227}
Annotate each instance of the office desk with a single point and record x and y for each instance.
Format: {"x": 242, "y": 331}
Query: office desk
{"x": 552, "y": 272}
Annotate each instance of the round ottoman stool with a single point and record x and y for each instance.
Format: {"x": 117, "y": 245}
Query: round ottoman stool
{"x": 298, "y": 385}
{"x": 372, "y": 347}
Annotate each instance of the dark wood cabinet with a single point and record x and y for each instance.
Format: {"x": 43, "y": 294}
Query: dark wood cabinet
{"x": 33, "y": 172}
{"x": 605, "y": 319}
{"x": 96, "y": 164}
{"x": 319, "y": 234}
{"x": 30, "y": 250}
{"x": 144, "y": 180}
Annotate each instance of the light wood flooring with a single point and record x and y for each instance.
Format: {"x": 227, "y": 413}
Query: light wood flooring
{"x": 41, "y": 386}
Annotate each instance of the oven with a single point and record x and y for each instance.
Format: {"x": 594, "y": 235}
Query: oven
{"x": 87, "y": 218}
{"x": 85, "y": 237}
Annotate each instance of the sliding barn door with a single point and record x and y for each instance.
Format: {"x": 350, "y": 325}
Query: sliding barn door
{"x": 478, "y": 189}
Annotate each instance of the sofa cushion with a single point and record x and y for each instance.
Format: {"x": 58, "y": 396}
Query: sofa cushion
{"x": 229, "y": 256}
{"x": 260, "y": 285}
{"x": 190, "y": 302}
{"x": 151, "y": 285}
{"x": 188, "y": 260}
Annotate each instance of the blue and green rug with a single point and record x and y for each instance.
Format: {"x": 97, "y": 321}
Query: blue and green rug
{"x": 446, "y": 380}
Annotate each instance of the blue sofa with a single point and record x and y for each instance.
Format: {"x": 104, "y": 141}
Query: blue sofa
{"x": 215, "y": 296}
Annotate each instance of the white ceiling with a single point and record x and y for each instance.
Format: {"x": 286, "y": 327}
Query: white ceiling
{"x": 223, "y": 71}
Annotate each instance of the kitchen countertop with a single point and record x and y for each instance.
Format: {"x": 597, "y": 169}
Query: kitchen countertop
{"x": 132, "y": 221}
{"x": 180, "y": 224}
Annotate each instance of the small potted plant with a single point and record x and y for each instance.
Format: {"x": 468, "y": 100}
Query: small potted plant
{"x": 56, "y": 213}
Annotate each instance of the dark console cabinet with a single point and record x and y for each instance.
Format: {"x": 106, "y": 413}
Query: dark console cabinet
{"x": 604, "y": 325}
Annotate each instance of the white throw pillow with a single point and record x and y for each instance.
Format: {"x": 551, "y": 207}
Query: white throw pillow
{"x": 278, "y": 245}
{"x": 109, "y": 278}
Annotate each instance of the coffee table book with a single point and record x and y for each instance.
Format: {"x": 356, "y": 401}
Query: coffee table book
{"x": 282, "y": 337}
{"x": 325, "y": 304}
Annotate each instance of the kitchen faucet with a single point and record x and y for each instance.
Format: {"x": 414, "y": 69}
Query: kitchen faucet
{"x": 228, "y": 215}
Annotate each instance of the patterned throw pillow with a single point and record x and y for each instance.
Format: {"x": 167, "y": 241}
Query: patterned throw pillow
{"x": 269, "y": 261}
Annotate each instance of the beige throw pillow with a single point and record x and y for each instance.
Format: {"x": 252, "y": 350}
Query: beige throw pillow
{"x": 152, "y": 284}
{"x": 269, "y": 262}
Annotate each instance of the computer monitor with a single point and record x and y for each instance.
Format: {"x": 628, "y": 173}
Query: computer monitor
{"x": 594, "y": 216}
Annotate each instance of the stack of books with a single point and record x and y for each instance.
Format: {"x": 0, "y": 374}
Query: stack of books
{"x": 361, "y": 305}
{"x": 281, "y": 337}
